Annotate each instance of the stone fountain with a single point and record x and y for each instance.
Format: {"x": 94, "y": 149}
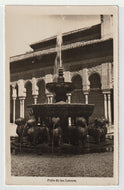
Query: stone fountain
{"x": 61, "y": 108}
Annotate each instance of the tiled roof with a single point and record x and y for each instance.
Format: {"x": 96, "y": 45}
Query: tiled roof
{"x": 54, "y": 50}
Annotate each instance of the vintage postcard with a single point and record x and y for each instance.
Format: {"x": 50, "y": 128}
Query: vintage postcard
{"x": 61, "y": 99}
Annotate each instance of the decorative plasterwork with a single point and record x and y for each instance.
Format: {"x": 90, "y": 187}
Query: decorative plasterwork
{"x": 96, "y": 69}
{"x": 21, "y": 88}
{"x": 35, "y": 89}
{"x": 105, "y": 71}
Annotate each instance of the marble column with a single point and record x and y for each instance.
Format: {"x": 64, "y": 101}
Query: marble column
{"x": 69, "y": 101}
{"x": 14, "y": 100}
{"x": 22, "y": 106}
{"x": 49, "y": 98}
{"x": 14, "y": 96}
{"x": 86, "y": 84}
{"x": 68, "y": 98}
{"x": 109, "y": 108}
{"x": 105, "y": 106}
{"x": 86, "y": 97}
{"x": 35, "y": 99}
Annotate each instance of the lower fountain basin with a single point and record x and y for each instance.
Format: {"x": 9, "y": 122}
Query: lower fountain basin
{"x": 62, "y": 110}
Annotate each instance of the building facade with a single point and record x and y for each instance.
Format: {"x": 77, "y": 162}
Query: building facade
{"x": 87, "y": 58}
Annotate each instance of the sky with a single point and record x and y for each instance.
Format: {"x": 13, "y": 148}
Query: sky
{"x": 25, "y": 26}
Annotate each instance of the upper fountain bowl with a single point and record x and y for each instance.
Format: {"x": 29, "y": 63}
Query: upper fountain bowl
{"x": 57, "y": 86}
{"x": 60, "y": 89}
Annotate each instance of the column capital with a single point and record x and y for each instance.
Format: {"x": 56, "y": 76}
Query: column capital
{"x": 21, "y": 88}
{"x": 109, "y": 96}
{"x": 22, "y": 98}
{"x": 68, "y": 94}
{"x": 86, "y": 92}
{"x": 35, "y": 96}
{"x": 14, "y": 93}
{"x": 106, "y": 91}
{"x": 14, "y": 98}
{"x": 105, "y": 96}
{"x": 13, "y": 85}
{"x": 49, "y": 95}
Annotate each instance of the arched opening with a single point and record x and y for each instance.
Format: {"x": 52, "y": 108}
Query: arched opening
{"x": 95, "y": 82}
{"x": 96, "y": 96}
{"x": 42, "y": 95}
{"x": 77, "y": 93}
{"x": 29, "y": 98}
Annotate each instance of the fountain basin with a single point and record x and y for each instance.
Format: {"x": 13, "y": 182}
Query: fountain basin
{"x": 60, "y": 89}
{"x": 62, "y": 110}
{"x": 56, "y": 86}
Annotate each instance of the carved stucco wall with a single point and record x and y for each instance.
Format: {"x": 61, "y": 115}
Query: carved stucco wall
{"x": 105, "y": 71}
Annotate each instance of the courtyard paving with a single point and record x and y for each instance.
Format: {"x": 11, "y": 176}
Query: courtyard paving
{"x": 85, "y": 165}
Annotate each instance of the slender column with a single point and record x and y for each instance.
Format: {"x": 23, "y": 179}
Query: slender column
{"x": 14, "y": 99}
{"x": 105, "y": 106}
{"x": 35, "y": 99}
{"x": 109, "y": 108}
{"x": 21, "y": 95}
{"x": 69, "y": 121}
{"x": 69, "y": 101}
{"x": 69, "y": 98}
{"x": 49, "y": 98}
{"x": 14, "y": 96}
{"x": 86, "y": 97}
{"x": 22, "y": 107}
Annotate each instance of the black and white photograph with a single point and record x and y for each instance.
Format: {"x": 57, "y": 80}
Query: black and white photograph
{"x": 61, "y": 95}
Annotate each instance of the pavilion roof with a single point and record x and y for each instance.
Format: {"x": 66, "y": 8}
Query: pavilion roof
{"x": 54, "y": 50}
